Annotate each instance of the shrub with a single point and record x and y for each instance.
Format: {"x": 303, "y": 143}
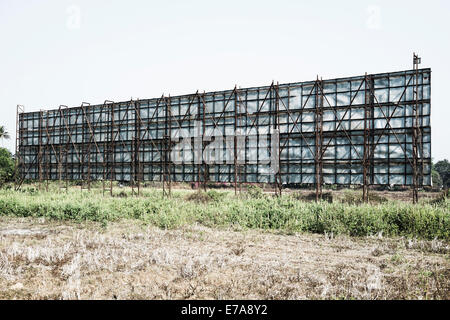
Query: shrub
{"x": 311, "y": 196}
{"x": 198, "y": 196}
{"x": 216, "y": 195}
{"x": 254, "y": 192}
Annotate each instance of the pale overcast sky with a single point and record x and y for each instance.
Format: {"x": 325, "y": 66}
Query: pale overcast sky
{"x": 67, "y": 52}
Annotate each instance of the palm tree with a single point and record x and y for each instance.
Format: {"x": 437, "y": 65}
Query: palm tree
{"x": 3, "y": 133}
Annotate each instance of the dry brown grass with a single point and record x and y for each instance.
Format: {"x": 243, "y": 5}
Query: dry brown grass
{"x": 40, "y": 259}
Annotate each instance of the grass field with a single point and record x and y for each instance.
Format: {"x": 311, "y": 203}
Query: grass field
{"x": 52, "y": 259}
{"x": 252, "y": 210}
{"x": 215, "y": 245}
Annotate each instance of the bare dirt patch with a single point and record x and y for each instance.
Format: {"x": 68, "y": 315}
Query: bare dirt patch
{"x": 42, "y": 259}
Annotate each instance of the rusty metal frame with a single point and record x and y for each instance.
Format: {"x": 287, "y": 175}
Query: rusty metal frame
{"x": 160, "y": 118}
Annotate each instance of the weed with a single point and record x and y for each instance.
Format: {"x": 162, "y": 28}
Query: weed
{"x": 311, "y": 196}
{"x": 288, "y": 213}
{"x": 254, "y": 192}
{"x": 397, "y": 259}
{"x": 198, "y": 196}
{"x": 442, "y": 199}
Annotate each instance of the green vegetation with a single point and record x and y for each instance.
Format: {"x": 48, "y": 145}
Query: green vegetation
{"x": 223, "y": 209}
{"x": 436, "y": 179}
{"x": 442, "y": 169}
{"x": 6, "y": 160}
{"x": 4, "y": 134}
{"x": 6, "y": 166}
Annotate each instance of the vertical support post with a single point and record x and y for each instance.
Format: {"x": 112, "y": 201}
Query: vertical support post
{"x": 198, "y": 135}
{"x": 111, "y": 153}
{"x": 132, "y": 150}
{"x": 205, "y": 165}
{"x": 67, "y": 159}
{"x": 18, "y": 157}
{"x": 81, "y": 167}
{"x": 104, "y": 154}
{"x": 372, "y": 132}
{"x": 319, "y": 138}
{"x": 162, "y": 157}
{"x": 242, "y": 167}
{"x": 366, "y": 140}
{"x": 321, "y": 98}
{"x": 48, "y": 154}
{"x": 235, "y": 149}
{"x": 105, "y": 157}
{"x": 167, "y": 176}
{"x": 416, "y": 129}
{"x": 91, "y": 133}
{"x": 60, "y": 151}
{"x": 138, "y": 145}
{"x": 66, "y": 148}
{"x": 89, "y": 160}
{"x": 169, "y": 144}
{"x": 40, "y": 173}
{"x": 279, "y": 182}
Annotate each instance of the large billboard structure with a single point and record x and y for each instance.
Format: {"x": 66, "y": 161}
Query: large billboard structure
{"x": 366, "y": 130}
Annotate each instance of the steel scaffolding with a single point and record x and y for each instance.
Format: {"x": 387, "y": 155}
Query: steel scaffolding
{"x": 365, "y": 130}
